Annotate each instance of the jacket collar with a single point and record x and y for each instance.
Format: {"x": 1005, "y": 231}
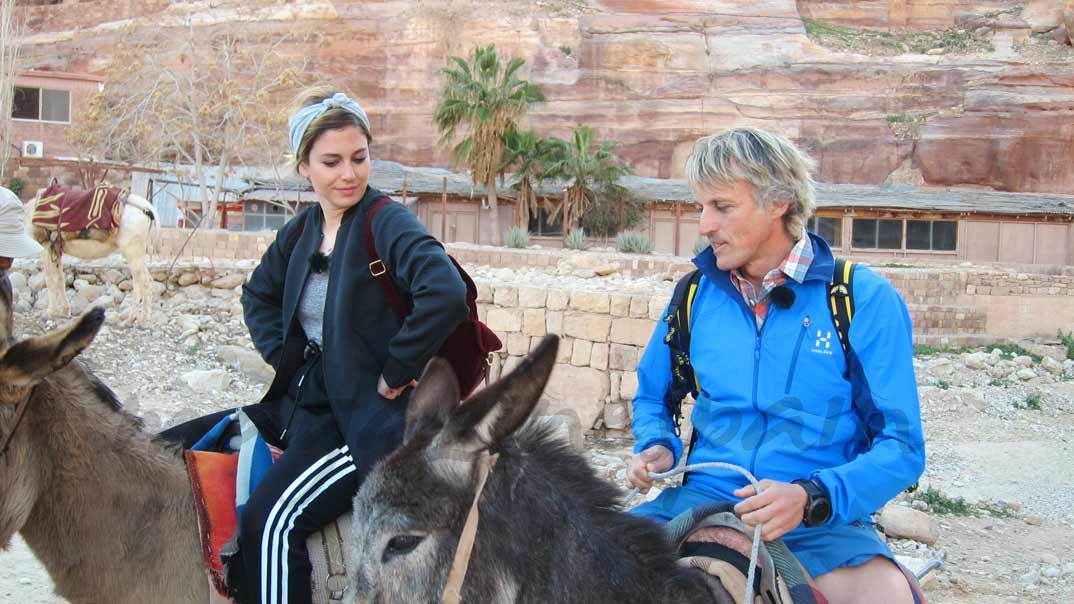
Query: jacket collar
{"x": 821, "y": 269}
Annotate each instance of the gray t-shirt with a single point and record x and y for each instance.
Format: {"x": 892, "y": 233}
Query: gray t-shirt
{"x": 311, "y": 306}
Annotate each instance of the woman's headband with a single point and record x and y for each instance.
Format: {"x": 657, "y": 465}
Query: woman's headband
{"x": 302, "y": 119}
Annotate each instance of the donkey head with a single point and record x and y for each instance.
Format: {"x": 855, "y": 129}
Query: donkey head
{"x": 411, "y": 508}
{"x": 22, "y": 366}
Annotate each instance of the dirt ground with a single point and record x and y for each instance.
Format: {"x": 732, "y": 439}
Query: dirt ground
{"x": 987, "y": 442}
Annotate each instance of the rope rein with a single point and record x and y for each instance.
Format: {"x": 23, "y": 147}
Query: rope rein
{"x": 756, "y": 548}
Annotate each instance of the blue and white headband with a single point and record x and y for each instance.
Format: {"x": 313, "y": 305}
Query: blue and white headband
{"x": 301, "y": 120}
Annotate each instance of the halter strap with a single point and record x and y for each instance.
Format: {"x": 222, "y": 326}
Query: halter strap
{"x": 20, "y": 413}
{"x": 453, "y": 589}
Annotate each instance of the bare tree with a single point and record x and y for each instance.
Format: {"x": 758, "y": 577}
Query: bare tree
{"x": 9, "y": 53}
{"x": 207, "y": 103}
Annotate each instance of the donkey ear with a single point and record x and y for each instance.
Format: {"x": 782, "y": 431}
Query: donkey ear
{"x": 485, "y": 420}
{"x": 32, "y": 359}
{"x": 432, "y": 401}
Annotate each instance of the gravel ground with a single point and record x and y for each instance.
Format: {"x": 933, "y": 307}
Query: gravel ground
{"x": 986, "y": 441}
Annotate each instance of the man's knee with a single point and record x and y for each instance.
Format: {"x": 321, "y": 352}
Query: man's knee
{"x": 880, "y": 578}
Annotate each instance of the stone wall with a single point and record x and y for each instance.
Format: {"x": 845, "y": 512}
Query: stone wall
{"x": 604, "y": 322}
{"x": 949, "y": 305}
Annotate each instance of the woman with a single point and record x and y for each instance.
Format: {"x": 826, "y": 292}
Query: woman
{"x": 343, "y": 362}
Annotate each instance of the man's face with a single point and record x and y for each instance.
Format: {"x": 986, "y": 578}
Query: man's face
{"x": 736, "y": 228}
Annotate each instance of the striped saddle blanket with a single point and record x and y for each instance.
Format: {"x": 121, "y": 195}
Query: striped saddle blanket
{"x": 70, "y": 210}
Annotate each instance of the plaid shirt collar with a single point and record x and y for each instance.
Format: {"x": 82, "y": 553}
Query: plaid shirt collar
{"x": 794, "y": 266}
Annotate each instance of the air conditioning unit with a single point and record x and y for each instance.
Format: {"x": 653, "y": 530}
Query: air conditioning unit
{"x": 33, "y": 149}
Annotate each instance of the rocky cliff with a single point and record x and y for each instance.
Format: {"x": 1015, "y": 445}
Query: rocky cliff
{"x": 948, "y": 92}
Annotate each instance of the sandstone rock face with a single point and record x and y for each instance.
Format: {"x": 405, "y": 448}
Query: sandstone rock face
{"x": 656, "y": 76}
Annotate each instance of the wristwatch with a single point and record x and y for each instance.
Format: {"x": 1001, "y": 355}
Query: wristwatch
{"x": 818, "y": 507}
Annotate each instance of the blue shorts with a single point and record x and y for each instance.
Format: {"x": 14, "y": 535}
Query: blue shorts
{"x": 820, "y": 549}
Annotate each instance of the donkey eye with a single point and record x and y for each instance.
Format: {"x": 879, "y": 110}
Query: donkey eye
{"x": 401, "y": 545}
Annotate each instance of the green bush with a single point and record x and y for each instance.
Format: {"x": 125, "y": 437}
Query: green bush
{"x": 516, "y": 237}
{"x": 601, "y": 218}
{"x": 1068, "y": 340}
{"x": 1032, "y": 401}
{"x": 633, "y": 242}
{"x": 15, "y": 185}
{"x": 576, "y": 240}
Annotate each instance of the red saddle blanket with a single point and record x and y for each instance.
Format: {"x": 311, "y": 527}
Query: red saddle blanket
{"x": 71, "y": 210}
{"x": 212, "y": 479}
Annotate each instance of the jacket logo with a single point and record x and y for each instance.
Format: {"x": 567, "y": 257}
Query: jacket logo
{"x": 823, "y": 343}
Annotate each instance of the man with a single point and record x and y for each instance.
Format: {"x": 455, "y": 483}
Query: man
{"x": 832, "y": 437}
{"x": 14, "y": 243}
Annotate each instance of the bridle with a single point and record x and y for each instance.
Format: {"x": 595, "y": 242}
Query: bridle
{"x": 453, "y": 588}
{"x": 20, "y": 413}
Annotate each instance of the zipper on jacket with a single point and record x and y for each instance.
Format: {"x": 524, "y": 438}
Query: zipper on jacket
{"x": 794, "y": 357}
{"x": 756, "y": 380}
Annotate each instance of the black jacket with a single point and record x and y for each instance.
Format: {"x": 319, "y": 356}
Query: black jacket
{"x": 362, "y": 337}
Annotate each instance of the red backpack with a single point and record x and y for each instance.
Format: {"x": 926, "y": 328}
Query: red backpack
{"x": 469, "y": 348}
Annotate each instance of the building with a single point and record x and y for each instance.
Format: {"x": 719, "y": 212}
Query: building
{"x": 46, "y": 104}
{"x": 866, "y": 222}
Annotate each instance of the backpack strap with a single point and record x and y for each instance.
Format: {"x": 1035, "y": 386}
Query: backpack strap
{"x": 841, "y": 301}
{"x": 377, "y": 267}
{"x": 683, "y": 381}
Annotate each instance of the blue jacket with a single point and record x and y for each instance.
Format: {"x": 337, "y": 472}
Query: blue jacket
{"x": 781, "y": 402}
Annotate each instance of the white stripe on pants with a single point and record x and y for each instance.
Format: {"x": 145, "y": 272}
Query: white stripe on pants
{"x": 319, "y": 476}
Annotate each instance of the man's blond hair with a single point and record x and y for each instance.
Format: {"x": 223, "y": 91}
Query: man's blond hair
{"x": 777, "y": 169}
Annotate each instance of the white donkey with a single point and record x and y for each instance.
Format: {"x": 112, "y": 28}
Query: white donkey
{"x": 137, "y": 224}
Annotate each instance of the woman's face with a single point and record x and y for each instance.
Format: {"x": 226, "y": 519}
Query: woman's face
{"x": 338, "y": 168}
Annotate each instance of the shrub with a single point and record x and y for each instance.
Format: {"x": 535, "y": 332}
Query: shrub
{"x": 516, "y": 237}
{"x": 633, "y": 242}
{"x": 942, "y": 504}
{"x": 576, "y": 240}
{"x": 1068, "y": 340}
{"x": 15, "y": 185}
{"x": 1032, "y": 401}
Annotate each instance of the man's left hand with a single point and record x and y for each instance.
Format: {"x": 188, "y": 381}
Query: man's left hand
{"x": 780, "y": 507}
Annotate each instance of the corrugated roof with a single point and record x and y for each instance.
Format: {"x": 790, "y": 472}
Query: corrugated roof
{"x": 389, "y": 176}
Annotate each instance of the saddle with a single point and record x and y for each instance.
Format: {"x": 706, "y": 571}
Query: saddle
{"x": 218, "y": 481}
{"x": 715, "y": 542}
{"x": 66, "y": 210}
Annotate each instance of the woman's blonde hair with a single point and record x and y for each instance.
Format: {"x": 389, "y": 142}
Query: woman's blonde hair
{"x": 777, "y": 169}
{"x": 333, "y": 118}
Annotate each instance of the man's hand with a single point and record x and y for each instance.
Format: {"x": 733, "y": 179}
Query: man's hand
{"x": 780, "y": 507}
{"x": 656, "y": 458}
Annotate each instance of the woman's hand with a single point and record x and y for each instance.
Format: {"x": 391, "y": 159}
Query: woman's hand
{"x": 392, "y": 393}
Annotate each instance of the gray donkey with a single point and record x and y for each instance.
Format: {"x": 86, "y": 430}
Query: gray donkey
{"x": 549, "y": 529}
{"x": 107, "y": 511}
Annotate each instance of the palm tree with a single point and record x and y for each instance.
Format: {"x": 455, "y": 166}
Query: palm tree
{"x": 489, "y": 99}
{"x": 587, "y": 171}
{"x": 529, "y": 155}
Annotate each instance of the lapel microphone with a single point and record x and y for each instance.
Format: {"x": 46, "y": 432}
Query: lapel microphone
{"x": 783, "y": 296}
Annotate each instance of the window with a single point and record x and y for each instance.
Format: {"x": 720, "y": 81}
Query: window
{"x": 41, "y": 104}
{"x": 935, "y": 235}
{"x": 541, "y": 227}
{"x": 930, "y": 235}
{"x": 879, "y": 234}
{"x": 831, "y": 229}
{"x": 262, "y": 216}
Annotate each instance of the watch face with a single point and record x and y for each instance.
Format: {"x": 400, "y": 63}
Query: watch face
{"x": 820, "y": 511}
